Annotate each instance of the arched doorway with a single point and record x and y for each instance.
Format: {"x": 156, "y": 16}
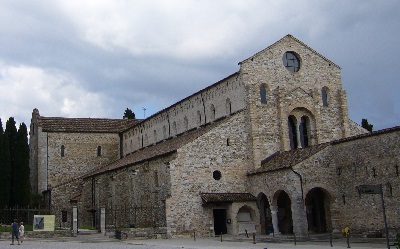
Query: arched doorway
{"x": 285, "y": 222}
{"x": 265, "y": 214}
{"x": 318, "y": 210}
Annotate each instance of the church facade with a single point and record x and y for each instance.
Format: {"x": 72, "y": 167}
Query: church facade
{"x": 270, "y": 147}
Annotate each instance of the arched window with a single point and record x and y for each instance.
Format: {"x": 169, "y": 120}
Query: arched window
{"x": 212, "y": 110}
{"x": 174, "y": 129}
{"x": 186, "y": 123}
{"x": 324, "y": 93}
{"x": 292, "y": 132}
{"x": 198, "y": 118}
{"x": 303, "y": 129}
{"x": 62, "y": 150}
{"x": 98, "y": 151}
{"x": 155, "y": 136}
{"x": 263, "y": 94}
{"x": 228, "y": 107}
{"x": 165, "y": 132}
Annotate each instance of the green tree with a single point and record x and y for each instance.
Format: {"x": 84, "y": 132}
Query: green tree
{"x": 11, "y": 135}
{"x": 366, "y": 125}
{"x": 22, "y": 186}
{"x": 5, "y": 171}
{"x": 129, "y": 114}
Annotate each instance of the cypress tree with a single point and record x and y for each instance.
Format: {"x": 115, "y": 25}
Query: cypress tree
{"x": 5, "y": 171}
{"x": 22, "y": 186}
{"x": 11, "y": 135}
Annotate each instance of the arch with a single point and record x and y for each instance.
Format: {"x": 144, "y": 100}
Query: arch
{"x": 302, "y": 126}
{"x": 292, "y": 121}
{"x": 155, "y": 136}
{"x": 317, "y": 203}
{"x": 265, "y": 214}
{"x": 245, "y": 214}
{"x": 165, "y": 132}
{"x": 198, "y": 118}
{"x": 284, "y": 206}
{"x": 263, "y": 94}
{"x": 212, "y": 110}
{"x": 324, "y": 93}
{"x": 228, "y": 107}
{"x": 186, "y": 123}
{"x": 174, "y": 129}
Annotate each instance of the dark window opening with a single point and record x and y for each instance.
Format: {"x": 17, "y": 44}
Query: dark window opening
{"x": 304, "y": 123}
{"x": 62, "y": 150}
{"x": 99, "y": 151}
{"x": 291, "y": 62}
{"x": 292, "y": 132}
{"x": 263, "y": 94}
{"x": 217, "y": 175}
{"x": 324, "y": 97}
{"x": 228, "y": 142}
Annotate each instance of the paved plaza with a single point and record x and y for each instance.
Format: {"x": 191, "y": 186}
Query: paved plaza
{"x": 98, "y": 241}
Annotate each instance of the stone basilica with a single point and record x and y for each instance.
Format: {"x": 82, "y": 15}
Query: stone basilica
{"x": 269, "y": 147}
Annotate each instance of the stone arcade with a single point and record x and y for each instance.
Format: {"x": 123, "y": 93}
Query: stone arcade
{"x": 269, "y": 147}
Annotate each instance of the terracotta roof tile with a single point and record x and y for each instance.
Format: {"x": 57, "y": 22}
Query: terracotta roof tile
{"x": 287, "y": 159}
{"x": 98, "y": 125}
{"x": 227, "y": 197}
{"x": 166, "y": 147}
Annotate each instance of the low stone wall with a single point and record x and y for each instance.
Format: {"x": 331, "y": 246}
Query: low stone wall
{"x": 40, "y": 234}
{"x": 142, "y": 233}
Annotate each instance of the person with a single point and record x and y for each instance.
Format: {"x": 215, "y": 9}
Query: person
{"x": 14, "y": 232}
{"x": 21, "y": 232}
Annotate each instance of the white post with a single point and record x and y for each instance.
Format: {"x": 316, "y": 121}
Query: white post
{"x": 74, "y": 220}
{"x": 103, "y": 220}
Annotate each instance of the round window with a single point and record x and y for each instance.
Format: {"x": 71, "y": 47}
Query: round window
{"x": 217, "y": 175}
{"x": 291, "y": 61}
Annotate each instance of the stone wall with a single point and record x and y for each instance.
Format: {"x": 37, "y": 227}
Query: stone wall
{"x": 216, "y": 101}
{"x": 224, "y": 149}
{"x": 133, "y": 196}
{"x": 288, "y": 93}
{"x": 80, "y": 155}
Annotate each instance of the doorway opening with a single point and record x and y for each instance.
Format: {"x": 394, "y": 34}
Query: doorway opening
{"x": 219, "y": 221}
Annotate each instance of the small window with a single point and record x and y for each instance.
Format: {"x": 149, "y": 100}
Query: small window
{"x": 217, "y": 175}
{"x": 324, "y": 97}
{"x": 186, "y": 123}
{"x": 212, "y": 109}
{"x": 291, "y": 62}
{"x": 62, "y": 150}
{"x": 98, "y": 151}
{"x": 263, "y": 94}
{"x": 228, "y": 107}
{"x": 198, "y": 118}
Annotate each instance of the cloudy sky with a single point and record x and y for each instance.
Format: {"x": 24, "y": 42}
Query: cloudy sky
{"x": 95, "y": 58}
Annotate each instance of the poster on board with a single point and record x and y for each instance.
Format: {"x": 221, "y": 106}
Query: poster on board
{"x": 43, "y": 222}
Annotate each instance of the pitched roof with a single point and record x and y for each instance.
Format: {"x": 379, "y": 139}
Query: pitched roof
{"x": 283, "y": 160}
{"x": 166, "y": 147}
{"x": 294, "y": 38}
{"x": 98, "y": 125}
{"x": 227, "y": 197}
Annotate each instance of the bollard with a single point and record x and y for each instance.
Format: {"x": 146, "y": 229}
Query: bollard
{"x": 254, "y": 238}
{"x": 194, "y": 235}
{"x": 348, "y": 241}
{"x": 221, "y": 236}
{"x": 330, "y": 239}
{"x": 295, "y": 242}
{"x": 247, "y": 235}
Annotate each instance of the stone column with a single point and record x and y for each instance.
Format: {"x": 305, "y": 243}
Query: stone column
{"x": 103, "y": 220}
{"x": 274, "y": 214}
{"x": 299, "y": 216}
{"x": 74, "y": 220}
